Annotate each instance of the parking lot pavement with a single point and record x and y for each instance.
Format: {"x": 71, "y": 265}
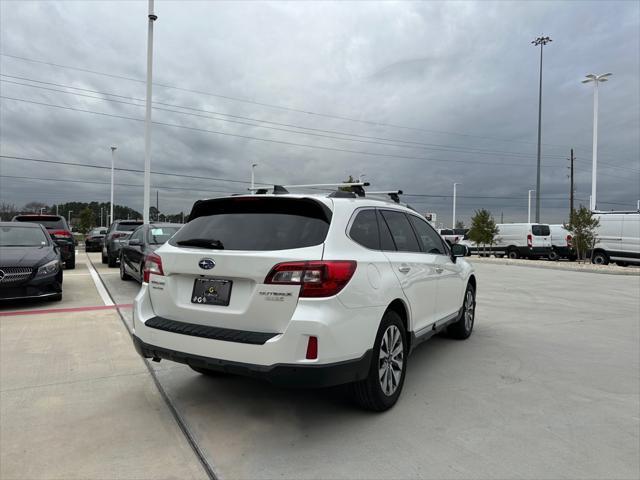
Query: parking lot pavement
{"x": 76, "y": 401}
{"x": 546, "y": 387}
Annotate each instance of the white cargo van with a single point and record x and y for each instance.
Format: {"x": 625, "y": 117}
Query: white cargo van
{"x": 617, "y": 238}
{"x": 561, "y": 243}
{"x": 517, "y": 240}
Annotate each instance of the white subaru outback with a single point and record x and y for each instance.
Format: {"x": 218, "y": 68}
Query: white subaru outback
{"x": 304, "y": 290}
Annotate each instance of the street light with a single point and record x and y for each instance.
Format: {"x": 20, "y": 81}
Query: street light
{"x": 596, "y": 79}
{"x": 453, "y": 222}
{"x": 253, "y": 166}
{"x": 69, "y": 216}
{"x": 113, "y": 153}
{"x": 41, "y": 209}
{"x": 540, "y": 41}
{"x": 147, "y": 118}
{"x": 529, "y": 216}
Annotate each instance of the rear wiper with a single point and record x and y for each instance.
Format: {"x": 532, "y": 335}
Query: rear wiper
{"x": 202, "y": 242}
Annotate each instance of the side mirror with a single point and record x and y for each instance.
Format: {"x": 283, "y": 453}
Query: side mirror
{"x": 458, "y": 250}
{"x": 134, "y": 242}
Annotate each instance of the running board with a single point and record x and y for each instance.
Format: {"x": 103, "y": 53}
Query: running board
{"x": 427, "y": 332}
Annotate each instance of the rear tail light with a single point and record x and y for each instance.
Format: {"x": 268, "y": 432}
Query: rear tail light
{"x": 569, "y": 240}
{"x": 529, "y": 240}
{"x": 316, "y": 278}
{"x": 152, "y": 264}
{"x": 312, "y": 348}
{"x": 61, "y": 234}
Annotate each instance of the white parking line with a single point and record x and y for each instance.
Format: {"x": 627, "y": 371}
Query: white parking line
{"x": 99, "y": 286}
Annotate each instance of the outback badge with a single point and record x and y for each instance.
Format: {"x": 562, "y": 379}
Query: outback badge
{"x": 206, "y": 264}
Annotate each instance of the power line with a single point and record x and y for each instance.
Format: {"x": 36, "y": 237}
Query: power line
{"x": 357, "y": 138}
{"x": 281, "y": 142}
{"x": 278, "y": 107}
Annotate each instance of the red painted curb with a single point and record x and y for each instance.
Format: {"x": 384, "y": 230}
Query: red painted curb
{"x": 64, "y": 310}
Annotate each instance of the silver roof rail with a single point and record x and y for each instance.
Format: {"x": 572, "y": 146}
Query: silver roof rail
{"x": 392, "y": 194}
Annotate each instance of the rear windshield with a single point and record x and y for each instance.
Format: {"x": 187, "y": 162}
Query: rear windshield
{"x": 540, "y": 230}
{"x": 22, "y": 237}
{"x": 250, "y": 223}
{"x": 127, "y": 227}
{"x": 56, "y": 223}
{"x": 159, "y": 235}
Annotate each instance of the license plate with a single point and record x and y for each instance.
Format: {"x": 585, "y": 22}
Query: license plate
{"x": 209, "y": 291}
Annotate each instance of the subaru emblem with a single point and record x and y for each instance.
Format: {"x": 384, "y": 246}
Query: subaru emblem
{"x": 206, "y": 264}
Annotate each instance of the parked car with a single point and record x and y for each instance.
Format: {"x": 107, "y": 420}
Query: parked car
{"x": 118, "y": 231}
{"x": 561, "y": 243}
{"x": 94, "y": 239}
{"x": 519, "y": 240}
{"x": 143, "y": 241}
{"x": 59, "y": 230}
{"x": 310, "y": 291}
{"x": 453, "y": 235}
{"x": 30, "y": 262}
{"x": 617, "y": 238}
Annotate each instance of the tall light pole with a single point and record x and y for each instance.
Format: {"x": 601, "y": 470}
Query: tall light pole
{"x": 540, "y": 41}
{"x": 113, "y": 153}
{"x": 69, "y": 216}
{"x": 41, "y": 209}
{"x": 453, "y": 221}
{"x": 253, "y": 166}
{"x": 529, "y": 216}
{"x": 147, "y": 118}
{"x": 596, "y": 79}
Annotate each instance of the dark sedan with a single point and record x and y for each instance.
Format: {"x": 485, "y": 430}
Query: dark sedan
{"x": 143, "y": 240}
{"x": 59, "y": 230}
{"x": 94, "y": 240}
{"x": 30, "y": 263}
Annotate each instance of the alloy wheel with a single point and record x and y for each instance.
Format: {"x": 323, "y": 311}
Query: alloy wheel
{"x": 391, "y": 360}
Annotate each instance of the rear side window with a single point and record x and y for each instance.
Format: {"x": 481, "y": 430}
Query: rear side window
{"x": 257, "y": 224}
{"x": 431, "y": 241}
{"x": 401, "y": 231}
{"x": 540, "y": 230}
{"x": 386, "y": 241}
{"x": 364, "y": 229}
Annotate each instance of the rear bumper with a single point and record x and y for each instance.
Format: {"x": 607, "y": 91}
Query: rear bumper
{"x": 535, "y": 251}
{"x": 292, "y": 375}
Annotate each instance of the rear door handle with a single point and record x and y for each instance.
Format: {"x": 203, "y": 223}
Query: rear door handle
{"x": 439, "y": 269}
{"x": 404, "y": 269}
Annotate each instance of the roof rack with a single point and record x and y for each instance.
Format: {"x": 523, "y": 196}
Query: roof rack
{"x": 393, "y": 194}
{"x": 340, "y": 190}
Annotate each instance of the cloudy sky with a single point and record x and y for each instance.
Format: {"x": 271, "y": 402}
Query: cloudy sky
{"x": 412, "y": 95}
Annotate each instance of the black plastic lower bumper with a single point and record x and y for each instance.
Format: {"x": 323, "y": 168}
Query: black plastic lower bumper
{"x": 32, "y": 289}
{"x": 291, "y": 375}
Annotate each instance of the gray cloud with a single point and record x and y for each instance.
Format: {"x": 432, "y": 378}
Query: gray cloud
{"x": 462, "y": 74}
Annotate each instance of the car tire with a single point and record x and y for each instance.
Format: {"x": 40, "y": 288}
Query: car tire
{"x": 105, "y": 260}
{"x": 70, "y": 264}
{"x": 207, "y": 372}
{"x": 56, "y": 298}
{"x": 553, "y": 256}
{"x": 600, "y": 258}
{"x": 462, "y": 328}
{"x": 381, "y": 389}
{"x": 622, "y": 264}
{"x": 123, "y": 274}
{"x": 513, "y": 254}
{"x": 112, "y": 261}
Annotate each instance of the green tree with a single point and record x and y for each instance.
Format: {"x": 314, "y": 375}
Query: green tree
{"x": 582, "y": 227}
{"x": 87, "y": 220}
{"x": 483, "y": 229}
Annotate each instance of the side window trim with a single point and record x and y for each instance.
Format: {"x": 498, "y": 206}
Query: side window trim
{"x": 381, "y": 218}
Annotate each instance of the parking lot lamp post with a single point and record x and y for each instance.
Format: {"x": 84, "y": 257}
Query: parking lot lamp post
{"x": 453, "y": 221}
{"x": 595, "y": 79}
{"x": 113, "y": 153}
{"x": 69, "y": 216}
{"x": 147, "y": 120}
{"x": 529, "y": 215}
{"x": 540, "y": 41}
{"x": 41, "y": 209}
{"x": 253, "y": 166}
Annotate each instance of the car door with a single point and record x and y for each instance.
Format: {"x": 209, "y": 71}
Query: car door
{"x": 135, "y": 253}
{"x": 415, "y": 270}
{"x": 450, "y": 278}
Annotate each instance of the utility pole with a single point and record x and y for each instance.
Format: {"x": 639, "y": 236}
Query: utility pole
{"x": 571, "y": 192}
{"x": 540, "y": 41}
{"x": 253, "y": 183}
{"x": 147, "y": 118}
{"x": 501, "y": 217}
{"x": 157, "y": 206}
{"x": 453, "y": 220}
{"x": 113, "y": 153}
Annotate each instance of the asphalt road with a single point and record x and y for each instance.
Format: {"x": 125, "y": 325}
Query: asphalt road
{"x": 548, "y": 386}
